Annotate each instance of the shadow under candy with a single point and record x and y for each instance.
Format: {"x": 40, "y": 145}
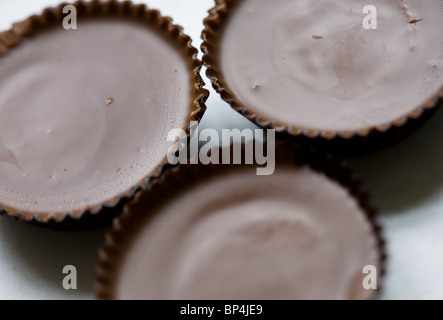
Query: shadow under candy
{"x": 407, "y": 174}
{"x": 33, "y": 259}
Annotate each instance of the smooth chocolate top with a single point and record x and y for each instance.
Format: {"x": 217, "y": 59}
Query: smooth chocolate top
{"x": 84, "y": 114}
{"x": 312, "y": 64}
{"x": 293, "y": 235}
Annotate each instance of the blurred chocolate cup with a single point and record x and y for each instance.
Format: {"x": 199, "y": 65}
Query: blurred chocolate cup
{"x": 223, "y": 232}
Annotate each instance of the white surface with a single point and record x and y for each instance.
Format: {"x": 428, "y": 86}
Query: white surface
{"x": 406, "y": 182}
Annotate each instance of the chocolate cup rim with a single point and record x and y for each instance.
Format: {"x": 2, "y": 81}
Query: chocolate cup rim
{"x": 187, "y": 176}
{"x": 125, "y": 10}
{"x": 212, "y": 35}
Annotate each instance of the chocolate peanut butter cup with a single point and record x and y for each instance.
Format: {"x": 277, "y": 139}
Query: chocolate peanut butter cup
{"x": 223, "y": 232}
{"x": 85, "y": 112}
{"x": 349, "y": 77}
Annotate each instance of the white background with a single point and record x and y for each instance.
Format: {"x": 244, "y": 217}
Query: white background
{"x": 406, "y": 183}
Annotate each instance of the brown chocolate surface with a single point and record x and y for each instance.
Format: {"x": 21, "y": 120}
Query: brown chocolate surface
{"x": 84, "y": 114}
{"x": 294, "y": 235}
{"x": 312, "y": 65}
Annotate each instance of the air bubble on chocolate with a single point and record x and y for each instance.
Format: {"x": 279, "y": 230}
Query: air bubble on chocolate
{"x": 7, "y": 156}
